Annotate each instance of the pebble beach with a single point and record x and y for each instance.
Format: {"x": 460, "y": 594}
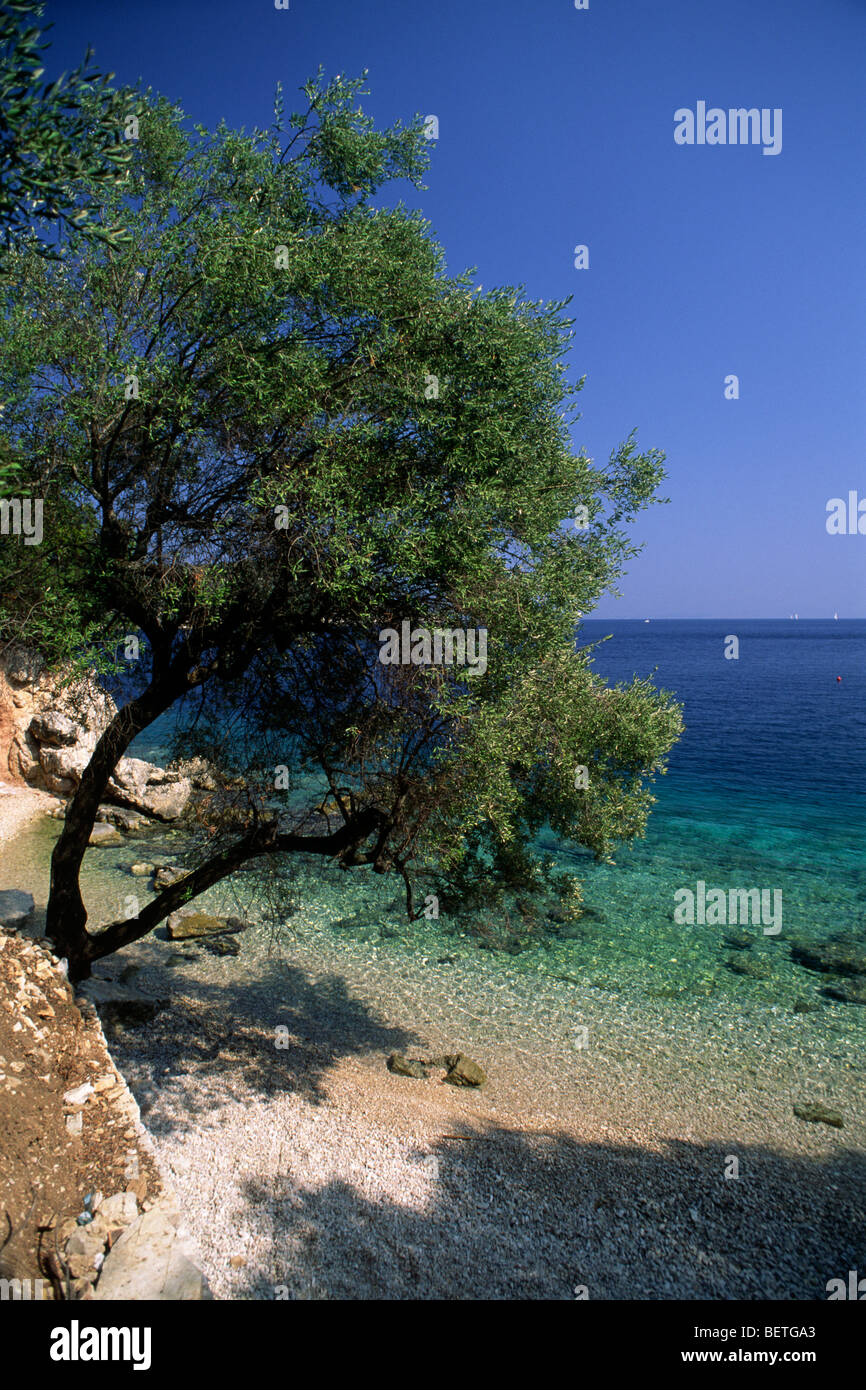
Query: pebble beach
{"x": 627, "y": 1144}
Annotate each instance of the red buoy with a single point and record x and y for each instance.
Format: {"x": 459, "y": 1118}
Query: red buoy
{"x": 839, "y": 678}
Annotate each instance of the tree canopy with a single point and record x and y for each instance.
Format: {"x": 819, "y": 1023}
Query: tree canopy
{"x": 271, "y": 426}
{"x": 60, "y": 142}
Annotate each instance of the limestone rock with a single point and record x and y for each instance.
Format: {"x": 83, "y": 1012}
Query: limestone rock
{"x": 149, "y": 1262}
{"x": 167, "y": 802}
{"x": 79, "y": 1094}
{"x": 155, "y": 791}
{"x": 119, "y": 1210}
{"x": 55, "y": 729}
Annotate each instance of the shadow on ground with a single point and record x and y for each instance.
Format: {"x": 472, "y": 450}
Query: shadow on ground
{"x": 228, "y": 1030}
{"x": 515, "y": 1216}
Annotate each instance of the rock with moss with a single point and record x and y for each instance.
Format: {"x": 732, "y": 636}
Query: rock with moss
{"x": 403, "y": 1066}
{"x": 462, "y": 1071}
{"x": 843, "y": 957}
{"x": 815, "y": 1112}
{"x": 847, "y": 992}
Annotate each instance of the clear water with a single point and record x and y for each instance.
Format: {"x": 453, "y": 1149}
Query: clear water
{"x": 766, "y": 789}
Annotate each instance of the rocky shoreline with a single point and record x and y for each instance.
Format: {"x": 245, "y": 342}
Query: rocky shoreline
{"x": 87, "y": 1212}
{"x": 50, "y": 723}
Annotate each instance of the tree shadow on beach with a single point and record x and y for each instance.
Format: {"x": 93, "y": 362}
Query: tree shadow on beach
{"x": 509, "y": 1215}
{"x": 278, "y": 1033}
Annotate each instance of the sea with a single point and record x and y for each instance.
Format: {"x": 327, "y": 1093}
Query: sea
{"x": 765, "y": 790}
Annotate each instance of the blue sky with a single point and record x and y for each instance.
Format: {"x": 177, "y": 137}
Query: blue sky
{"x": 556, "y": 128}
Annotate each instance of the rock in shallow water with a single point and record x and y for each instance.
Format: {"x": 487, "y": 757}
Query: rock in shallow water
{"x": 738, "y": 940}
{"x": 817, "y": 1113}
{"x": 167, "y": 875}
{"x": 853, "y": 992}
{"x": 182, "y": 926}
{"x": 462, "y": 1071}
{"x": 105, "y": 836}
{"x": 222, "y": 946}
{"x": 401, "y": 1066}
{"x": 750, "y": 966}
{"x": 830, "y": 957}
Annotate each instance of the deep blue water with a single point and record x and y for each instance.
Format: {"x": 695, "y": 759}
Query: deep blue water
{"x": 774, "y": 720}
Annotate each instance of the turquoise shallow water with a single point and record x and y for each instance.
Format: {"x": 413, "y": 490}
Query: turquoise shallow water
{"x": 767, "y": 789}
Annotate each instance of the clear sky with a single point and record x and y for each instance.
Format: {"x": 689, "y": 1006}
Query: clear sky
{"x": 556, "y": 128}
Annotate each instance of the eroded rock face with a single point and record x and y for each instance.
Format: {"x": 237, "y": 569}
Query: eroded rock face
{"x": 49, "y": 727}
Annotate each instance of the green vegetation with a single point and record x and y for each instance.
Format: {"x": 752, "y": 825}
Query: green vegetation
{"x": 273, "y": 425}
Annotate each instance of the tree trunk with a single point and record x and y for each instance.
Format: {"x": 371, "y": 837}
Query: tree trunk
{"x": 66, "y": 916}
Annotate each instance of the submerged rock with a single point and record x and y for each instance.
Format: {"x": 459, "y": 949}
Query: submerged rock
{"x": 222, "y": 946}
{"x": 805, "y": 1006}
{"x": 754, "y": 968}
{"x": 105, "y": 836}
{"x": 817, "y": 1113}
{"x": 830, "y": 957}
{"x": 738, "y": 940}
{"x": 853, "y": 992}
{"x": 184, "y": 925}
